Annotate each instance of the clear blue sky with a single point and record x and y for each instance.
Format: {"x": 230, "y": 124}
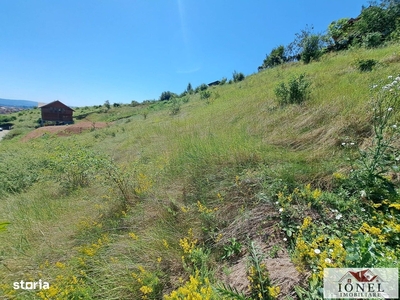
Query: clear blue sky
{"x": 84, "y": 52}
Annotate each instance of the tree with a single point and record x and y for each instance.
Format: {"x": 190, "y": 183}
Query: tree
{"x": 167, "y": 95}
{"x": 338, "y": 30}
{"x": 107, "y": 104}
{"x": 189, "y": 88}
{"x": 237, "y": 76}
{"x": 307, "y": 45}
{"x": 276, "y": 57}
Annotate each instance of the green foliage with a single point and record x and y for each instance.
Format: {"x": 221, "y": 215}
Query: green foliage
{"x": 134, "y": 103}
{"x": 338, "y": 30}
{"x": 205, "y": 95}
{"x": 3, "y": 226}
{"x": 223, "y": 81}
{"x": 275, "y": 58}
{"x": 296, "y": 91}
{"x": 167, "y": 95}
{"x": 260, "y": 285}
{"x": 201, "y": 87}
{"x": 372, "y": 40}
{"x": 19, "y": 170}
{"x": 307, "y": 45}
{"x": 107, "y": 104}
{"x": 257, "y": 273}
{"x": 372, "y": 165}
{"x": 237, "y": 76}
{"x": 189, "y": 88}
{"x": 5, "y": 119}
{"x": 232, "y": 250}
{"x": 175, "y": 106}
{"x": 365, "y": 65}
{"x": 74, "y": 165}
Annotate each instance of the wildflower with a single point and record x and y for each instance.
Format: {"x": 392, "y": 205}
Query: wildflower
{"x": 339, "y": 216}
{"x": 390, "y": 77}
{"x": 328, "y": 260}
{"x": 343, "y": 144}
{"x": 281, "y": 209}
{"x": 362, "y": 209}
{"x": 363, "y": 194}
{"x": 285, "y": 239}
{"x": 317, "y": 251}
{"x": 390, "y": 108}
{"x": 133, "y": 236}
{"x": 394, "y": 126}
{"x": 374, "y": 86}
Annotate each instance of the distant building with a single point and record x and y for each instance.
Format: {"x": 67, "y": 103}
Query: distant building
{"x": 56, "y": 112}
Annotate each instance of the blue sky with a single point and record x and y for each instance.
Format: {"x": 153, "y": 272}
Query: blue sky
{"x": 84, "y": 52}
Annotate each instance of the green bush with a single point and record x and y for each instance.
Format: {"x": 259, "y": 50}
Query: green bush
{"x": 205, "y": 95}
{"x": 201, "y": 87}
{"x": 372, "y": 40}
{"x": 175, "y": 106}
{"x": 237, "y": 76}
{"x": 296, "y": 91}
{"x": 366, "y": 65}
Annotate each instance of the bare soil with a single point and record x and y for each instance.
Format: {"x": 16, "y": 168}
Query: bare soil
{"x": 260, "y": 225}
{"x": 64, "y": 130}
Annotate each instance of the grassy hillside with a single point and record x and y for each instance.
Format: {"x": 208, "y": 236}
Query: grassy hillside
{"x": 229, "y": 188}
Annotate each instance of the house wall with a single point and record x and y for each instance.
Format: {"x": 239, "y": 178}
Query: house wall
{"x": 57, "y": 112}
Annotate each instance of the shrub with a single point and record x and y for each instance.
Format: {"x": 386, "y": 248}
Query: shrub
{"x": 175, "y": 106}
{"x": 223, "y": 81}
{"x": 366, "y": 65}
{"x": 205, "y": 95}
{"x": 295, "y": 92}
{"x": 201, "y": 87}
{"x": 237, "y": 76}
{"x": 167, "y": 95}
{"x": 372, "y": 40}
{"x": 372, "y": 166}
{"x": 134, "y": 103}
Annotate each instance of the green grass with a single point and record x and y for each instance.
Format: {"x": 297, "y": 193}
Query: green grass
{"x": 233, "y": 146}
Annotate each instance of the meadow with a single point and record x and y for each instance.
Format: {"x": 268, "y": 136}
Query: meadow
{"x": 229, "y": 195}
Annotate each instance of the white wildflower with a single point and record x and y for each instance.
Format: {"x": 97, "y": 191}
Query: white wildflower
{"x": 281, "y": 210}
{"x": 330, "y": 250}
{"x": 390, "y": 108}
{"x": 363, "y": 194}
{"x": 339, "y": 216}
{"x": 351, "y": 144}
{"x": 362, "y": 209}
{"x": 374, "y": 86}
{"x": 390, "y": 77}
{"x": 328, "y": 260}
{"x": 284, "y": 239}
{"x": 317, "y": 251}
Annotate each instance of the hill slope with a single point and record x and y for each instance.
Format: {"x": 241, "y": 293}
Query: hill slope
{"x": 173, "y": 198}
{"x": 17, "y": 103}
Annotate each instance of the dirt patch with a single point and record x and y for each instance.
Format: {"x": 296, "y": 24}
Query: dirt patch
{"x": 64, "y": 130}
{"x": 260, "y": 226}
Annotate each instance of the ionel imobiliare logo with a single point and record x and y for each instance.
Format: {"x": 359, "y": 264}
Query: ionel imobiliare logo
{"x": 361, "y": 283}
